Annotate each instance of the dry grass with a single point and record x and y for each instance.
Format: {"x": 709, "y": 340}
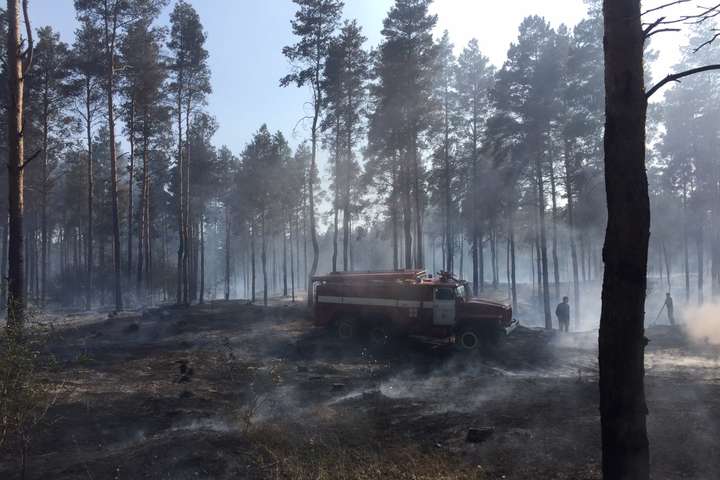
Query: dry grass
{"x": 284, "y": 454}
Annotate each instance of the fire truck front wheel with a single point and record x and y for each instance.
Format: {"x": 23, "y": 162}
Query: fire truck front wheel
{"x": 468, "y": 339}
{"x": 346, "y": 328}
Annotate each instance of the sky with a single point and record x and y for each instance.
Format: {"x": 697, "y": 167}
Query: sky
{"x": 245, "y": 39}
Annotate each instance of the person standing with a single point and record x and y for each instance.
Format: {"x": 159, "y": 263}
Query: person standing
{"x": 670, "y": 308}
{"x": 563, "y": 315}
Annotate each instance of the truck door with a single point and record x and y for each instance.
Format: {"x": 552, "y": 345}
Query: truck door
{"x": 444, "y": 306}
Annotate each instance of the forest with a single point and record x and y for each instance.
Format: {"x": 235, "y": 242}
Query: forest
{"x": 535, "y": 179}
{"x": 496, "y": 174}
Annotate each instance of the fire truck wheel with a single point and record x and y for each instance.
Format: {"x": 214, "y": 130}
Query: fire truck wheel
{"x": 468, "y": 339}
{"x": 346, "y": 328}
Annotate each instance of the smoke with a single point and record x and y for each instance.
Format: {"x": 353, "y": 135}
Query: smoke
{"x": 703, "y": 323}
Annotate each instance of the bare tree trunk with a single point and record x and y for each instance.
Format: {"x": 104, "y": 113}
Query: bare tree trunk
{"x": 292, "y": 263}
{"x": 44, "y": 200}
{"x": 700, "y": 242}
{"x": 284, "y": 265}
{"x": 571, "y": 227}
{"x": 89, "y": 286}
{"x": 543, "y": 243}
{"x": 686, "y": 252}
{"x": 3, "y": 269}
{"x": 142, "y": 224}
{"x": 513, "y": 269}
{"x": 227, "y": 252}
{"x": 252, "y": 261}
{"x": 311, "y": 183}
{"x": 131, "y": 184}
{"x": 16, "y": 156}
{"x": 110, "y": 36}
{"x": 418, "y": 205}
{"x": 556, "y": 263}
{"x": 407, "y": 213}
{"x": 202, "y": 259}
{"x": 179, "y": 196}
{"x": 263, "y": 259}
{"x": 625, "y": 452}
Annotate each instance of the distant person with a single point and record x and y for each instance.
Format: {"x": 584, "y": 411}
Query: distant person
{"x": 670, "y": 308}
{"x": 563, "y": 315}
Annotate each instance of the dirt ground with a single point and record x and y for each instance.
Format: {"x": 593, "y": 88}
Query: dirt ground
{"x": 228, "y": 390}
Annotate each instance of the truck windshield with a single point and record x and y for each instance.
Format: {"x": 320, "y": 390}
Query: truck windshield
{"x": 461, "y": 293}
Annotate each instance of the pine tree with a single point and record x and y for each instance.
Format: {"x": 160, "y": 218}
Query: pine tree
{"x": 190, "y": 85}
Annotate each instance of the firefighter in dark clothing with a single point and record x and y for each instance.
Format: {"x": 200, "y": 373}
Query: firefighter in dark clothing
{"x": 563, "y": 315}
{"x": 670, "y": 309}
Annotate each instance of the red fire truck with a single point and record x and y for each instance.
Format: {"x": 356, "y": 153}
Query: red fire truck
{"x": 383, "y": 305}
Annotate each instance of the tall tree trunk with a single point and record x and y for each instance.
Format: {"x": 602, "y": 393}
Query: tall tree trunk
{"x": 625, "y": 452}
{"x": 571, "y": 231}
{"x": 44, "y": 198}
{"x": 3, "y": 268}
{"x": 556, "y": 262}
{"x": 179, "y": 173}
{"x": 263, "y": 258}
{"x": 513, "y": 269}
{"x": 202, "y": 259}
{"x": 292, "y": 263}
{"x": 336, "y": 193}
{"x": 110, "y": 36}
{"x": 686, "y": 252}
{"x": 543, "y": 242}
{"x": 418, "y": 204}
{"x": 252, "y": 261}
{"x": 89, "y": 286}
{"x": 447, "y": 193}
{"x": 16, "y": 157}
{"x": 284, "y": 260}
{"x": 227, "y": 252}
{"x": 407, "y": 213}
{"x": 187, "y": 265}
{"x": 311, "y": 184}
{"x": 142, "y": 224}
{"x": 700, "y": 242}
{"x": 131, "y": 184}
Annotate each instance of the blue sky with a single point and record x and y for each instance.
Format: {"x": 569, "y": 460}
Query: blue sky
{"x": 245, "y": 38}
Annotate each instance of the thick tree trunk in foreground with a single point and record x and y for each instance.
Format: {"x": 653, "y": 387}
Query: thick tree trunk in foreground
{"x": 625, "y": 452}
{"x": 16, "y": 155}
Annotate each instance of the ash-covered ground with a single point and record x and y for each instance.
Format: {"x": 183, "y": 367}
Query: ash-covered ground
{"x": 228, "y": 390}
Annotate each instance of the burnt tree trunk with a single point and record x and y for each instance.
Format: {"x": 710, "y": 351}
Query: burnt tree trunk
{"x": 623, "y": 411}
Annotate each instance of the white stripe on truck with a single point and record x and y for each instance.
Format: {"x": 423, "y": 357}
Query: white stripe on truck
{"x": 375, "y": 302}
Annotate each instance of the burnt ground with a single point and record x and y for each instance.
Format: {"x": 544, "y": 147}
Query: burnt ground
{"x": 229, "y": 390}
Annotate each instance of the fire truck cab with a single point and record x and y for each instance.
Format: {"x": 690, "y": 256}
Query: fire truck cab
{"x": 382, "y": 305}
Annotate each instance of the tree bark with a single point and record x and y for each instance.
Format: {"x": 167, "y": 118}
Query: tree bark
{"x": 131, "y": 184}
{"x": 202, "y": 260}
{"x": 110, "y": 37}
{"x": 623, "y": 411}
{"x": 16, "y": 156}
{"x": 543, "y": 255}
{"x": 89, "y": 286}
